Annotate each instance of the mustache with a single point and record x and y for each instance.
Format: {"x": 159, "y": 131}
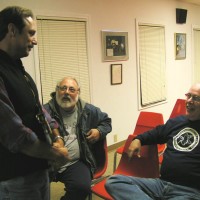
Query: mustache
{"x": 66, "y": 97}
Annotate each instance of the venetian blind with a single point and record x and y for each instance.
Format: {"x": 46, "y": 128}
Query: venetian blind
{"x": 62, "y": 47}
{"x": 196, "y": 74}
{"x": 152, "y": 64}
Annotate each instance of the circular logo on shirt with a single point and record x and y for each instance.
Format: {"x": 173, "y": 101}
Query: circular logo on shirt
{"x": 186, "y": 140}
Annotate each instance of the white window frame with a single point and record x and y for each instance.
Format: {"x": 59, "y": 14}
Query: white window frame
{"x": 196, "y": 54}
{"x": 162, "y": 98}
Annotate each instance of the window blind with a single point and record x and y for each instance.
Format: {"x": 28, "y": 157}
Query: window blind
{"x": 62, "y": 49}
{"x": 152, "y": 64}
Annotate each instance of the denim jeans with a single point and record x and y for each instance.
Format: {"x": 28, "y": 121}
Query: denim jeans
{"x": 132, "y": 188}
{"x": 31, "y": 187}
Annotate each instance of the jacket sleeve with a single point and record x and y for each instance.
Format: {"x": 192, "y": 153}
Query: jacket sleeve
{"x": 12, "y": 131}
{"x": 158, "y": 135}
{"x": 52, "y": 122}
{"x": 102, "y": 120}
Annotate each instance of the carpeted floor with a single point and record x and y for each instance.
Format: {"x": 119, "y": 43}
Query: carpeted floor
{"x": 57, "y": 189}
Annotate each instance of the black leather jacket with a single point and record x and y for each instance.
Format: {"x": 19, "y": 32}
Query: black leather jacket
{"x": 89, "y": 117}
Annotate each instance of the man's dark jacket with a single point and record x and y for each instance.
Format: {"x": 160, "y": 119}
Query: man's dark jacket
{"x": 18, "y": 108}
{"x": 89, "y": 117}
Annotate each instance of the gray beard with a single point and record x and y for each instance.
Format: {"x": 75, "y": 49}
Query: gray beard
{"x": 67, "y": 104}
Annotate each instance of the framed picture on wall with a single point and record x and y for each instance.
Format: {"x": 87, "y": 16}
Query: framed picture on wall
{"x": 116, "y": 74}
{"x": 114, "y": 45}
{"x": 180, "y": 46}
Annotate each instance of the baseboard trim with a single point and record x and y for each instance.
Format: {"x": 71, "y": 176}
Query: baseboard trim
{"x": 116, "y": 145}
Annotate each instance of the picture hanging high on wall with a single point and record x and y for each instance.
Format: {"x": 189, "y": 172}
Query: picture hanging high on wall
{"x": 180, "y": 46}
{"x": 114, "y": 45}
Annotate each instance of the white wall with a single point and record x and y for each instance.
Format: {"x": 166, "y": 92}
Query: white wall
{"x": 120, "y": 101}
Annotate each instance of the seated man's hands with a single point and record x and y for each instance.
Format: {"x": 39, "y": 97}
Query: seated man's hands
{"x": 58, "y": 140}
{"x": 93, "y": 135}
{"x": 61, "y": 159}
{"x": 59, "y": 143}
{"x": 134, "y": 148}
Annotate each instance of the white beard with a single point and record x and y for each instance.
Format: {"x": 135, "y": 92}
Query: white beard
{"x": 66, "y": 104}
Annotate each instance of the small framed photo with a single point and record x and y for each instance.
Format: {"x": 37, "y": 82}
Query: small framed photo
{"x": 114, "y": 45}
{"x": 180, "y": 46}
{"x": 116, "y": 74}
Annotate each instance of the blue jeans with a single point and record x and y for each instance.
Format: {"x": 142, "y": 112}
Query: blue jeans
{"x": 31, "y": 187}
{"x": 132, "y": 188}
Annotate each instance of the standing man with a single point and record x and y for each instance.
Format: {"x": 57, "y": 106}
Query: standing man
{"x": 24, "y": 151}
{"x": 180, "y": 170}
{"x": 83, "y": 127}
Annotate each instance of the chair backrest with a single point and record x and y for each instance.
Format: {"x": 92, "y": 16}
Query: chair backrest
{"x": 151, "y": 119}
{"x": 146, "y": 166}
{"x": 147, "y": 121}
{"x": 179, "y": 108}
{"x": 101, "y": 155}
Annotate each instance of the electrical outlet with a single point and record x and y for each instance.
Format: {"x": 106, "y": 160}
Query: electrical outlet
{"x": 115, "y": 138}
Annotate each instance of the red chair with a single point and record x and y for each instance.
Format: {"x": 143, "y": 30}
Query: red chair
{"x": 146, "y": 166}
{"x": 146, "y": 121}
{"x": 179, "y": 108}
{"x": 100, "y": 152}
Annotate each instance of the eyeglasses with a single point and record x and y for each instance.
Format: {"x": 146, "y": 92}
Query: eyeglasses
{"x": 65, "y": 88}
{"x": 194, "y": 97}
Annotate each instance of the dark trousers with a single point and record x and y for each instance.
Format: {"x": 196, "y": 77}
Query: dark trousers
{"x": 77, "y": 180}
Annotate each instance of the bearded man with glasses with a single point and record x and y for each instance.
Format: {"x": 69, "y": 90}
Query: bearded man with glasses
{"x": 180, "y": 170}
{"x": 81, "y": 125}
